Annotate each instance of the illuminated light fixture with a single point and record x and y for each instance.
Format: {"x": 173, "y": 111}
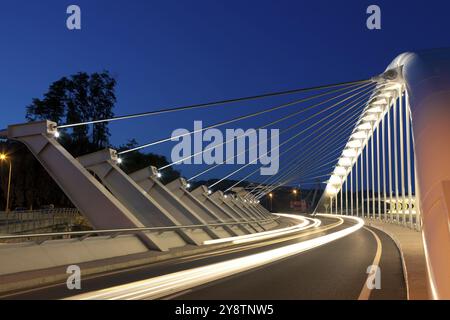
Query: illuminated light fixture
{"x": 392, "y": 87}
{"x": 371, "y": 117}
{"x": 271, "y": 195}
{"x": 225, "y": 196}
{"x": 331, "y": 191}
{"x": 345, "y": 162}
{"x": 375, "y": 110}
{"x": 355, "y": 144}
{"x": 159, "y": 175}
{"x": 56, "y": 134}
{"x": 359, "y": 135}
{"x": 2, "y": 156}
{"x": 335, "y": 180}
{"x": 340, "y": 171}
{"x": 349, "y": 153}
{"x": 365, "y": 126}
{"x": 257, "y": 201}
{"x": 379, "y": 102}
{"x": 209, "y": 191}
{"x": 119, "y": 160}
{"x": 188, "y": 185}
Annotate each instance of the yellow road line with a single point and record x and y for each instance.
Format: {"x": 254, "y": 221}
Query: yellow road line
{"x": 366, "y": 291}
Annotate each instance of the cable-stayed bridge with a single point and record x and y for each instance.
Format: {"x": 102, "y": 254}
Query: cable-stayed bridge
{"x": 378, "y": 146}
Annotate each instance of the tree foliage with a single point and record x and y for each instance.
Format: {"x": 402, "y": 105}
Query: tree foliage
{"x": 77, "y": 98}
{"x": 138, "y": 160}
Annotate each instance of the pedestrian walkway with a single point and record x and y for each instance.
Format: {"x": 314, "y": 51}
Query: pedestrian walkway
{"x": 410, "y": 244}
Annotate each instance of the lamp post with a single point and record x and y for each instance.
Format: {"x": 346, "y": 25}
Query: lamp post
{"x": 270, "y": 198}
{"x": 295, "y": 192}
{"x": 3, "y": 157}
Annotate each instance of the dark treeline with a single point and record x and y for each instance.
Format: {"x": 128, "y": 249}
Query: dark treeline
{"x": 78, "y": 98}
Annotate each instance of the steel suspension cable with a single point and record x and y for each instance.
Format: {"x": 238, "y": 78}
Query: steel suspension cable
{"x": 290, "y": 139}
{"x": 322, "y": 133}
{"x": 240, "y": 118}
{"x": 252, "y": 147}
{"x": 210, "y": 104}
{"x": 319, "y": 135}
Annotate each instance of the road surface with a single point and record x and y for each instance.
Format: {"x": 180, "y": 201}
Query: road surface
{"x": 337, "y": 270}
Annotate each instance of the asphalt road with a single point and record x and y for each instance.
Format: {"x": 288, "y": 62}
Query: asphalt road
{"x": 333, "y": 271}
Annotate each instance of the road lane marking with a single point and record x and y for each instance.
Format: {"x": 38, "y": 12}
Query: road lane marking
{"x": 168, "y": 284}
{"x": 366, "y": 291}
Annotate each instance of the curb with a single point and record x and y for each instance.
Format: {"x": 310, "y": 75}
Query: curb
{"x": 398, "y": 244}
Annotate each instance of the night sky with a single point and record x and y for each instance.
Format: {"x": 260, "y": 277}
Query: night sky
{"x": 173, "y": 53}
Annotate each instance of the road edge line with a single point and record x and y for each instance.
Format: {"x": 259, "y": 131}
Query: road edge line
{"x": 366, "y": 291}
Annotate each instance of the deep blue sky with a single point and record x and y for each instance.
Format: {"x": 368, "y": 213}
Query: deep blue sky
{"x": 168, "y": 53}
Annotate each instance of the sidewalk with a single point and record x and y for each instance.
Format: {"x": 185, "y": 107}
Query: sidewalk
{"x": 410, "y": 245}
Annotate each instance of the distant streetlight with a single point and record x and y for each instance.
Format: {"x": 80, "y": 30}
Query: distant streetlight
{"x": 270, "y": 198}
{"x": 4, "y": 158}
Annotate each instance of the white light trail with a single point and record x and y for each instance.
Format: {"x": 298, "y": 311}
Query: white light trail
{"x": 304, "y": 224}
{"x": 175, "y": 282}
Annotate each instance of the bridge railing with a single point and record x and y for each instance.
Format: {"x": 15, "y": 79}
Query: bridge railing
{"x": 43, "y": 219}
{"x": 112, "y": 233}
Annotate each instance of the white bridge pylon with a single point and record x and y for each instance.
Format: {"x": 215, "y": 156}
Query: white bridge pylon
{"x": 398, "y": 158}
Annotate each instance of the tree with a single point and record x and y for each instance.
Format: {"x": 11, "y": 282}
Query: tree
{"x": 78, "y": 98}
{"x": 137, "y": 160}
{"x": 52, "y": 107}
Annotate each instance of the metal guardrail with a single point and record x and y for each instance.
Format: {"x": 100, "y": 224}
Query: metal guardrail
{"x": 17, "y": 222}
{"x": 37, "y": 214}
{"x": 116, "y": 232}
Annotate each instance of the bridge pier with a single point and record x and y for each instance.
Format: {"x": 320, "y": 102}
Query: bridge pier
{"x": 179, "y": 188}
{"x": 249, "y": 208}
{"x": 150, "y": 208}
{"x": 101, "y": 209}
{"x": 253, "y": 202}
{"x": 146, "y": 178}
{"x": 215, "y": 204}
{"x": 234, "y": 205}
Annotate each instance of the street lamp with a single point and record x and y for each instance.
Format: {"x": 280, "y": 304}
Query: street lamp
{"x": 4, "y": 157}
{"x": 295, "y": 194}
{"x": 271, "y": 197}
